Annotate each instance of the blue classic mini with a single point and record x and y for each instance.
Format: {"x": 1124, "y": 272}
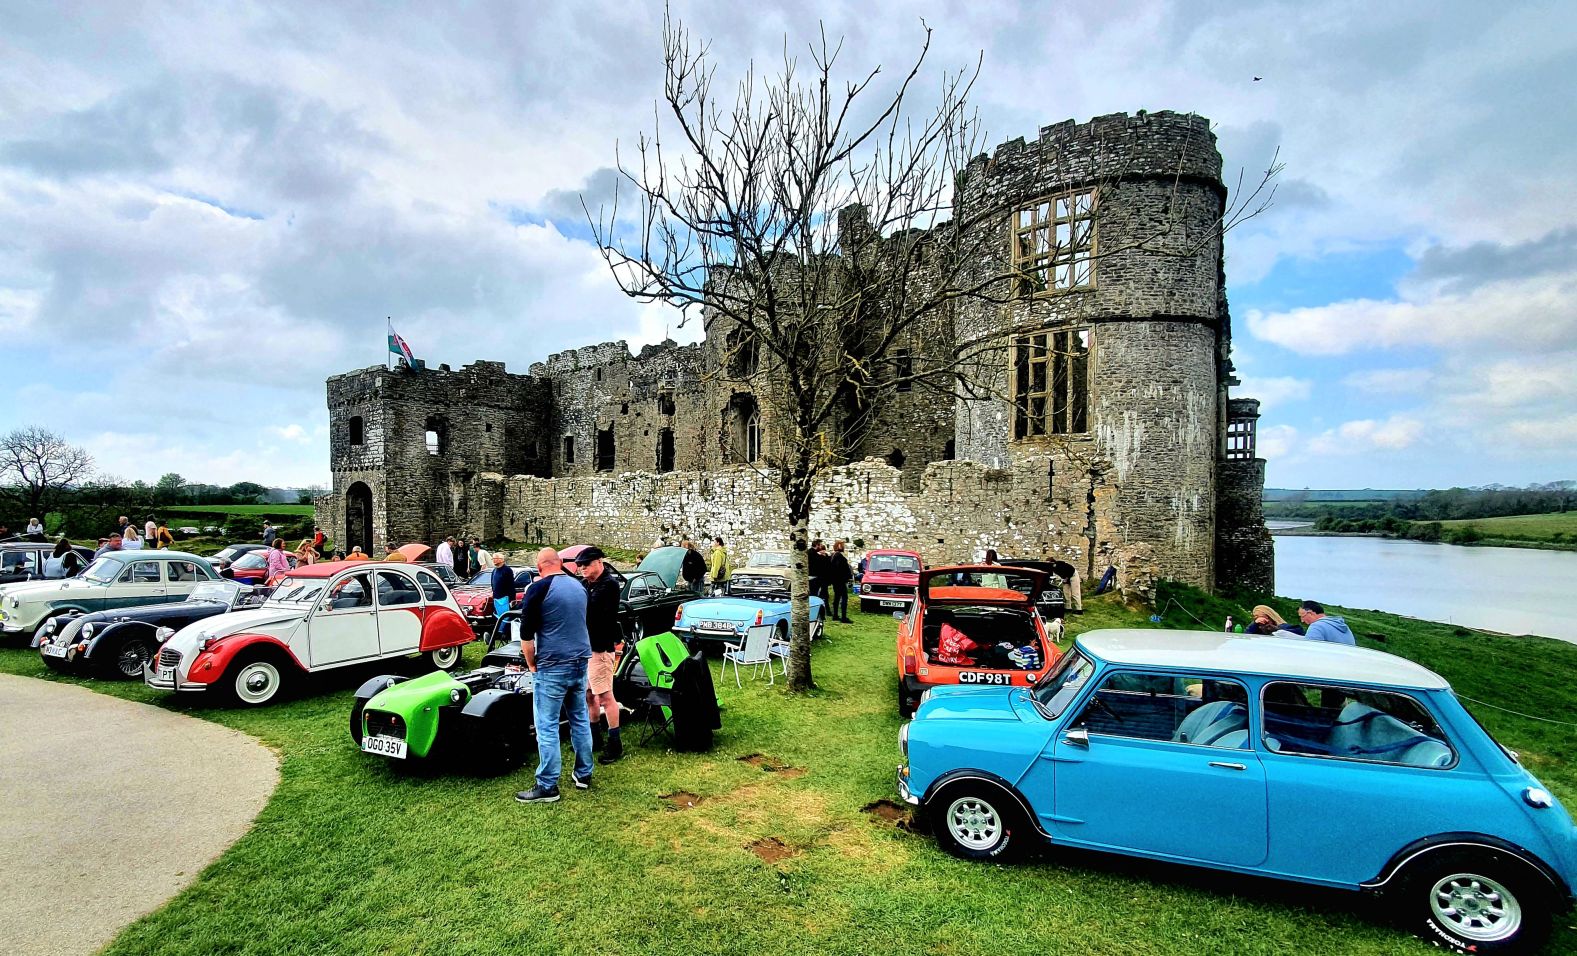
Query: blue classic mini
{"x": 1315, "y": 762}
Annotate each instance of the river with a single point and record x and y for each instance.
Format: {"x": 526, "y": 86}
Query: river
{"x": 1511, "y": 590}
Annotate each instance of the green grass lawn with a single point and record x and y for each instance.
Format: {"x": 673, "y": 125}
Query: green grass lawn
{"x": 1524, "y": 527}
{"x": 271, "y": 511}
{"x": 353, "y": 857}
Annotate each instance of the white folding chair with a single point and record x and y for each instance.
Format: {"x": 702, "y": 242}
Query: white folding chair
{"x": 756, "y": 650}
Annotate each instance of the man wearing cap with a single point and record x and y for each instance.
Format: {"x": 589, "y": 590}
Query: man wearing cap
{"x": 554, "y": 642}
{"x": 602, "y": 625}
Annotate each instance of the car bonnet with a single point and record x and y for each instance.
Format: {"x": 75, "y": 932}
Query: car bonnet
{"x": 234, "y": 622}
{"x": 409, "y": 696}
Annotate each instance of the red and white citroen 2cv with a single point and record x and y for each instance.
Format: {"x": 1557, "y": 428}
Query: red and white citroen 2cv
{"x": 318, "y": 618}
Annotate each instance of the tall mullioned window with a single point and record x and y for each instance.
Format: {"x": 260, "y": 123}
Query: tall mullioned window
{"x": 1051, "y": 383}
{"x": 1054, "y": 244}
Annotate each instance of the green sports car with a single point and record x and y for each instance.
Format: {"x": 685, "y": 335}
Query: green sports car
{"x": 481, "y": 720}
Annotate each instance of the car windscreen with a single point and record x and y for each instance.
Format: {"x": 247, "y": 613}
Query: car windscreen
{"x": 1062, "y": 683}
{"x": 1000, "y": 577}
{"x": 296, "y": 591}
{"x": 901, "y": 563}
{"x": 769, "y": 559}
{"x": 481, "y": 579}
{"x": 222, "y": 592}
{"x": 227, "y": 553}
{"x": 104, "y": 570}
{"x": 251, "y": 561}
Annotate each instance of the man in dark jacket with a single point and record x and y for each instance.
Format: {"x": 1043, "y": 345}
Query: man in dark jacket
{"x": 818, "y": 565}
{"x": 504, "y": 590}
{"x": 693, "y": 568}
{"x": 602, "y": 625}
{"x": 839, "y": 574}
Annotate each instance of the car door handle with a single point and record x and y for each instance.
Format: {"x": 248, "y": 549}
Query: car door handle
{"x": 1227, "y": 766}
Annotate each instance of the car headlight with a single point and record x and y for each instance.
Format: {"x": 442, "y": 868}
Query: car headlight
{"x": 163, "y": 634}
{"x": 456, "y": 696}
{"x": 87, "y": 631}
{"x": 903, "y": 739}
{"x": 16, "y": 601}
{"x": 50, "y": 625}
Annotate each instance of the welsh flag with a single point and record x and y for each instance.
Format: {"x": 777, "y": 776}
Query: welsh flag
{"x": 398, "y": 347}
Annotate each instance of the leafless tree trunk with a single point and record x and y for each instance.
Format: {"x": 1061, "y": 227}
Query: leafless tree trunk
{"x": 36, "y": 465}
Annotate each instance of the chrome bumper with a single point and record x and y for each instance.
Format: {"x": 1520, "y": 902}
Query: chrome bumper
{"x": 903, "y": 787}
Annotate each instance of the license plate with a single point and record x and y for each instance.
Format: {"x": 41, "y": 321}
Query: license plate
{"x": 53, "y": 650}
{"x": 715, "y": 626}
{"x": 983, "y": 677}
{"x": 384, "y": 746}
{"x": 895, "y": 604}
{"x": 166, "y": 674}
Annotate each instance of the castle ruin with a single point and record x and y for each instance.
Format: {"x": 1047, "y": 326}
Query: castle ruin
{"x": 1106, "y": 432}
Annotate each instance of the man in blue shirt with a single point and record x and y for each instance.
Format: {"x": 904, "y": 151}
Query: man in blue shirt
{"x": 504, "y": 590}
{"x": 557, "y": 647}
{"x": 1319, "y": 627}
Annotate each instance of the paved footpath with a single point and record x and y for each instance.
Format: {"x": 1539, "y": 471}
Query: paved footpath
{"x": 108, "y": 808}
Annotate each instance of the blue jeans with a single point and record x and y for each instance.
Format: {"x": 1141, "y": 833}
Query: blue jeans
{"x": 556, "y": 684}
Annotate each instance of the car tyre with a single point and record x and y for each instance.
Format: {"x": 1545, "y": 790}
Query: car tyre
{"x": 906, "y": 703}
{"x": 444, "y": 658}
{"x": 865, "y": 607}
{"x": 498, "y": 744}
{"x": 254, "y": 680}
{"x": 128, "y": 659}
{"x": 977, "y": 821}
{"x": 637, "y": 630}
{"x": 1483, "y": 902}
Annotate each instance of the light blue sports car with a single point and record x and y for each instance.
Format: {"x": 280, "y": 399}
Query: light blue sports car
{"x": 727, "y": 619}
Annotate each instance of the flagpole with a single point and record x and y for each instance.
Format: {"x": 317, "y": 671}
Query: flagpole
{"x": 386, "y": 350}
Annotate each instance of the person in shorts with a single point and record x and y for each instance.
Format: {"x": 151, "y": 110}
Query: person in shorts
{"x": 602, "y": 625}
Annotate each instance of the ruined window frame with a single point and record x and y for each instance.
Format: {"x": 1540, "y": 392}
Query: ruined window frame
{"x": 358, "y": 431}
{"x": 569, "y": 449}
{"x": 1040, "y": 249}
{"x": 903, "y": 369}
{"x": 1050, "y": 374}
{"x": 753, "y": 436}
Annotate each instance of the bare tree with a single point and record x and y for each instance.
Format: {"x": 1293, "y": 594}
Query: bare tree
{"x": 36, "y": 465}
{"x": 804, "y": 221}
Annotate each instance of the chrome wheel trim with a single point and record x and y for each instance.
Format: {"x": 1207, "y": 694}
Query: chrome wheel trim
{"x": 129, "y": 661}
{"x": 446, "y": 657}
{"x": 974, "y": 823}
{"x": 637, "y": 630}
{"x": 257, "y": 682}
{"x": 1475, "y": 907}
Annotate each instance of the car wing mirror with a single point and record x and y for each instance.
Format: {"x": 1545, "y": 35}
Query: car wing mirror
{"x": 898, "y": 615}
{"x": 1077, "y": 737}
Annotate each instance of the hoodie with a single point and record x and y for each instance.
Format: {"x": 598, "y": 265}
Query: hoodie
{"x": 1331, "y": 630}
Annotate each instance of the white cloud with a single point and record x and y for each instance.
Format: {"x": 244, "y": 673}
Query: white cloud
{"x": 1367, "y": 435}
{"x": 291, "y": 432}
{"x": 1389, "y": 381}
{"x": 1276, "y": 441}
{"x": 1273, "y": 391}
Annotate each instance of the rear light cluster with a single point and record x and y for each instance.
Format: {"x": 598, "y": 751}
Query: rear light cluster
{"x": 760, "y": 616}
{"x": 678, "y": 613}
{"x": 908, "y": 664}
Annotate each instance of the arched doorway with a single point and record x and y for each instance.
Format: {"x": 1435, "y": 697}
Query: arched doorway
{"x": 358, "y": 518}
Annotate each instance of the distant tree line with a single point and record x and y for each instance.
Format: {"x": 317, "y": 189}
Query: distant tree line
{"x": 1444, "y": 505}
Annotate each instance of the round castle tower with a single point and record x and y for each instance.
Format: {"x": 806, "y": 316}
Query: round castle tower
{"x": 1109, "y": 350}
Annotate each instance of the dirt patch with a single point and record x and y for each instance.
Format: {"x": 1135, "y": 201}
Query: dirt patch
{"x": 890, "y": 812}
{"x": 680, "y": 799}
{"x": 771, "y": 849}
{"x": 773, "y": 765}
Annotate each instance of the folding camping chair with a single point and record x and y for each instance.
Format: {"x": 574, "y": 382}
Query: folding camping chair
{"x": 755, "y": 650}
{"x": 780, "y": 646}
{"x": 660, "y": 655}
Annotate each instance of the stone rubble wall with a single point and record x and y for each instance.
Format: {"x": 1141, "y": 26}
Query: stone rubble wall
{"x": 961, "y": 509}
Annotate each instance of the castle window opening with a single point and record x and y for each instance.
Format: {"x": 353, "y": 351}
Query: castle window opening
{"x": 753, "y": 437}
{"x": 745, "y": 354}
{"x": 903, "y": 368}
{"x": 1051, "y": 383}
{"x": 896, "y": 458}
{"x": 569, "y": 449}
{"x": 358, "y": 430}
{"x": 436, "y": 436}
{"x": 604, "y": 460}
{"x": 949, "y": 450}
{"x": 1240, "y": 438}
{"x": 597, "y": 374}
{"x": 665, "y": 450}
{"x": 1054, "y": 244}
{"x": 665, "y": 403}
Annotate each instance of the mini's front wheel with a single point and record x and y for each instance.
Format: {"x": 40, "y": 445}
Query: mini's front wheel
{"x": 1483, "y": 902}
{"x": 977, "y": 821}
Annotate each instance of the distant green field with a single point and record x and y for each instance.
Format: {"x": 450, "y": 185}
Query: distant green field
{"x": 1524, "y": 527}
{"x": 269, "y": 510}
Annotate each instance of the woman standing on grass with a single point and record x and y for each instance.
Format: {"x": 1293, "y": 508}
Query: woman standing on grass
{"x": 278, "y": 560}
{"x": 304, "y": 553}
{"x": 130, "y": 540}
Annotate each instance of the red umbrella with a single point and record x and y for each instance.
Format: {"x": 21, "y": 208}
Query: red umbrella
{"x": 568, "y": 556}
{"x": 414, "y": 550}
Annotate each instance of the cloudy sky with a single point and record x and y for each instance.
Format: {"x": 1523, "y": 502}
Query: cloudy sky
{"x": 206, "y": 209}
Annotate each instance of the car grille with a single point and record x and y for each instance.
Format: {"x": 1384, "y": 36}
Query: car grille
{"x": 762, "y": 583}
{"x": 169, "y": 657}
{"x": 902, "y": 589}
{"x": 382, "y": 724}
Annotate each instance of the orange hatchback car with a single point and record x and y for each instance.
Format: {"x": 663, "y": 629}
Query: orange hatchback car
{"x": 973, "y": 624}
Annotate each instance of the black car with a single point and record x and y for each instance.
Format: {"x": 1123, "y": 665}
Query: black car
{"x": 227, "y": 556}
{"x": 1053, "y": 605}
{"x": 647, "y": 605}
{"x": 116, "y": 644}
{"x": 23, "y": 560}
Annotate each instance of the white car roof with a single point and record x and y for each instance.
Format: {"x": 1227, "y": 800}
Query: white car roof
{"x": 1269, "y": 656}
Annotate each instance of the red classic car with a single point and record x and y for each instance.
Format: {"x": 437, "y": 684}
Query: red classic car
{"x": 973, "y": 624}
{"x": 889, "y": 580}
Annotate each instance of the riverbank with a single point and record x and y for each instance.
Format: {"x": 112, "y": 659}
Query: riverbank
{"x": 1309, "y": 531}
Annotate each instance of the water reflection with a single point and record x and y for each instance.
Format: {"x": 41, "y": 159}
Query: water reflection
{"x": 1512, "y": 590}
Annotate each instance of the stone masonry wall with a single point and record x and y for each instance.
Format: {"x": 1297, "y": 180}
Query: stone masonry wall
{"x": 959, "y": 510}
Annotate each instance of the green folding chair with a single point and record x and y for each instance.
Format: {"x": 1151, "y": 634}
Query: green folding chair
{"x": 660, "y": 655}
